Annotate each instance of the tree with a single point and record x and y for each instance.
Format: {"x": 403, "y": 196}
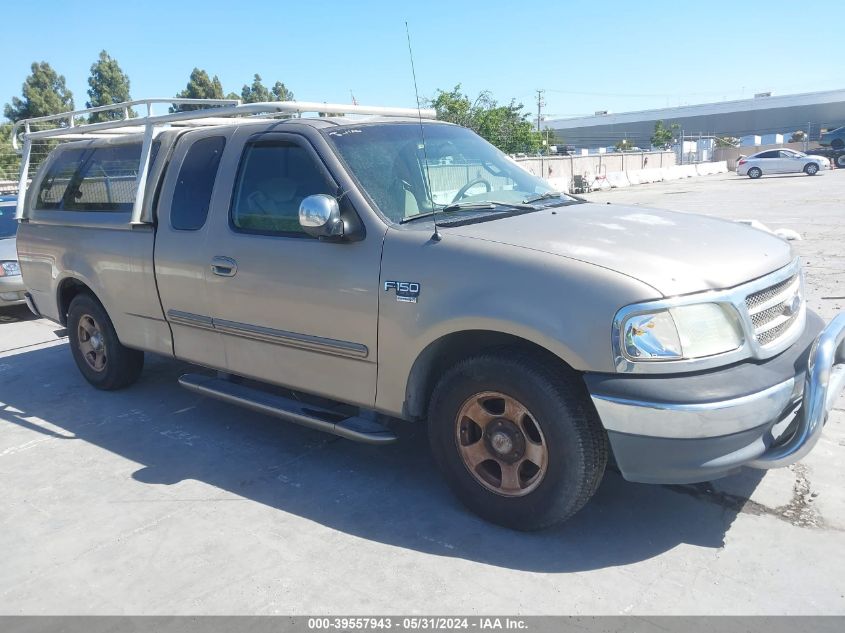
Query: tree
{"x": 505, "y": 126}
{"x": 727, "y": 141}
{"x": 44, "y": 92}
{"x": 798, "y": 136}
{"x": 255, "y": 93}
{"x": 624, "y": 145}
{"x": 108, "y": 84}
{"x": 200, "y": 86}
{"x": 281, "y": 92}
{"x": 258, "y": 92}
{"x": 9, "y": 160}
{"x": 663, "y": 136}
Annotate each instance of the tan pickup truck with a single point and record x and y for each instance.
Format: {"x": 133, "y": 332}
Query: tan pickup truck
{"x": 353, "y": 272}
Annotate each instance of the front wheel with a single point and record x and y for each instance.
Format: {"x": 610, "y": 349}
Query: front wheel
{"x": 754, "y": 173}
{"x": 811, "y": 169}
{"x": 517, "y": 439}
{"x": 99, "y": 355}
{"x": 840, "y": 161}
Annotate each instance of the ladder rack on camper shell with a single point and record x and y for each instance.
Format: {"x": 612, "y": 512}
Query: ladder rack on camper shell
{"x": 211, "y": 112}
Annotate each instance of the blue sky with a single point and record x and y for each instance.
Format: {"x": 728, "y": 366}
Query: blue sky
{"x": 588, "y": 56}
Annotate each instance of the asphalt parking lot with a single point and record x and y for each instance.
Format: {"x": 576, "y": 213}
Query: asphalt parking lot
{"x": 156, "y": 501}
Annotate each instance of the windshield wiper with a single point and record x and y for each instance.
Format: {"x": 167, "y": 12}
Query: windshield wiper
{"x": 544, "y": 196}
{"x": 469, "y": 206}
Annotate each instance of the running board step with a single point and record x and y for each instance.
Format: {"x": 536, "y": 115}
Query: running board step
{"x": 352, "y": 428}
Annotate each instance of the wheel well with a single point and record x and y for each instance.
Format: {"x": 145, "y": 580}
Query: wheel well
{"x": 451, "y": 349}
{"x": 68, "y": 289}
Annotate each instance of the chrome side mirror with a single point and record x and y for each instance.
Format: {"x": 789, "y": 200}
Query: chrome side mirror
{"x": 319, "y": 216}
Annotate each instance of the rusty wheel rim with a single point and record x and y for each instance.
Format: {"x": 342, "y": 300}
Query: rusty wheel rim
{"x": 91, "y": 343}
{"x": 501, "y": 444}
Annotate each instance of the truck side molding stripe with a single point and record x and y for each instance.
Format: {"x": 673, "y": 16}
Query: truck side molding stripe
{"x": 188, "y": 318}
{"x": 270, "y": 335}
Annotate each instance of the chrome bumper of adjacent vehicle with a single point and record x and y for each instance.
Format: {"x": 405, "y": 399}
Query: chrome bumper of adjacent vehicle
{"x": 673, "y": 442}
{"x": 11, "y": 290}
{"x": 823, "y": 383}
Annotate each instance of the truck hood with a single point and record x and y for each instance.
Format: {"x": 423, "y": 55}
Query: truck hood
{"x": 675, "y": 253}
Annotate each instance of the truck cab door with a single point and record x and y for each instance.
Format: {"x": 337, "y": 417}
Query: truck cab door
{"x": 183, "y": 257}
{"x": 292, "y": 310}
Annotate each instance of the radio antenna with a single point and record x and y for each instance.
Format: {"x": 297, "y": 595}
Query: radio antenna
{"x": 436, "y": 236}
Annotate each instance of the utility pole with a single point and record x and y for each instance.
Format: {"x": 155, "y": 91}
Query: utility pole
{"x": 540, "y": 103}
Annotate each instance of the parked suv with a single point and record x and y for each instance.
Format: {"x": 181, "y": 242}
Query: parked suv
{"x": 353, "y": 274}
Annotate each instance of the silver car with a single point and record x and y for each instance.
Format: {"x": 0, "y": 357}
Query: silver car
{"x": 781, "y": 161}
{"x": 12, "y": 288}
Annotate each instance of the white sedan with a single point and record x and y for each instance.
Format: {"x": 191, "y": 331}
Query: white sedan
{"x": 780, "y": 161}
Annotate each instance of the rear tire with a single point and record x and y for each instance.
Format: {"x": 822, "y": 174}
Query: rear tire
{"x": 754, "y": 173}
{"x": 99, "y": 355}
{"x": 811, "y": 169}
{"x": 517, "y": 439}
{"x": 840, "y": 161}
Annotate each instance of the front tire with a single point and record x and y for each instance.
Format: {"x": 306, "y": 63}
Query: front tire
{"x": 754, "y": 173}
{"x": 840, "y": 161}
{"x": 517, "y": 439}
{"x": 99, "y": 355}
{"x": 811, "y": 169}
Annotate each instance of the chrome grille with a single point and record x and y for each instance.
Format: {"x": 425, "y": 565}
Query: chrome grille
{"x": 771, "y": 310}
{"x": 773, "y": 334}
{"x": 759, "y": 298}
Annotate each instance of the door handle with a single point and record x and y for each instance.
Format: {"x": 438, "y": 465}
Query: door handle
{"x": 224, "y": 266}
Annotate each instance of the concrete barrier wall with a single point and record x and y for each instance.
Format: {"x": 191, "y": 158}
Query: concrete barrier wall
{"x": 596, "y": 164}
{"x": 606, "y": 171}
{"x": 710, "y": 169}
{"x": 618, "y": 179}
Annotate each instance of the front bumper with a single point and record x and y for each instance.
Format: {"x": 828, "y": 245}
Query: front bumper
{"x": 12, "y": 290}
{"x": 764, "y": 415}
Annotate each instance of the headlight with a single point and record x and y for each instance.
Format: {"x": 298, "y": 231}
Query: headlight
{"x": 9, "y": 269}
{"x": 691, "y": 331}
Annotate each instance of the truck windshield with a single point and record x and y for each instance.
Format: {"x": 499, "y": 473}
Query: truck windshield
{"x": 456, "y": 165}
{"x": 8, "y": 224}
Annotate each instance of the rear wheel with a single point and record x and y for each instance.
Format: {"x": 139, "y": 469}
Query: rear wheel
{"x": 840, "y": 161}
{"x": 99, "y": 355}
{"x": 754, "y": 173}
{"x": 811, "y": 169}
{"x": 517, "y": 439}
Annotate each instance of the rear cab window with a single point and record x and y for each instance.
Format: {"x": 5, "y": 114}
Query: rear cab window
{"x": 93, "y": 179}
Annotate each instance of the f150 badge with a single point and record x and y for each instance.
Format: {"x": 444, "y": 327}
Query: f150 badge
{"x": 406, "y": 291}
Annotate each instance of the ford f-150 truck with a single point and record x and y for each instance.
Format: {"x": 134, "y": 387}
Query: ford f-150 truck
{"x": 348, "y": 273}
